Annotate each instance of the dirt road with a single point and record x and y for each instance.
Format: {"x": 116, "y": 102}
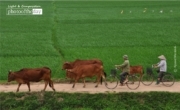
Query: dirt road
{"x": 90, "y": 88}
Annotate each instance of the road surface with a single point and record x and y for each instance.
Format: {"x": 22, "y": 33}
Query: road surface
{"x": 90, "y": 88}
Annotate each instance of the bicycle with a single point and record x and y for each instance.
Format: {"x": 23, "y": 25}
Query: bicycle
{"x": 148, "y": 78}
{"x": 112, "y": 80}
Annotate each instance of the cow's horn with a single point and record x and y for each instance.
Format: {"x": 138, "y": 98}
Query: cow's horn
{"x": 69, "y": 70}
{"x": 67, "y": 62}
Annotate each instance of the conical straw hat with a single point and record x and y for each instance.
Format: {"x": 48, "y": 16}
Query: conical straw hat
{"x": 125, "y": 56}
{"x": 162, "y": 57}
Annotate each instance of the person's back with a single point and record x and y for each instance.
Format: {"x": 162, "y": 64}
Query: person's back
{"x": 162, "y": 66}
{"x": 126, "y": 66}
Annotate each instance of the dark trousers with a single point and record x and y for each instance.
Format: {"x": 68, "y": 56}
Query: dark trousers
{"x": 160, "y": 75}
{"x": 123, "y": 77}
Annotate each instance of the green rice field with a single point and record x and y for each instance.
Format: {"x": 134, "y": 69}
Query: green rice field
{"x": 69, "y": 30}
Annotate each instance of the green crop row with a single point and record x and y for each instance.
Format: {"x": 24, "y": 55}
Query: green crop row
{"x": 89, "y": 29}
{"x": 85, "y": 101}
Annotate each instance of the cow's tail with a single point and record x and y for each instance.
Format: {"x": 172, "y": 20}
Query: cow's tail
{"x": 50, "y": 81}
{"x": 102, "y": 76}
{"x": 51, "y": 85}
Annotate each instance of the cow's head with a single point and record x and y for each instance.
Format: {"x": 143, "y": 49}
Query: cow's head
{"x": 11, "y": 76}
{"x": 67, "y": 65}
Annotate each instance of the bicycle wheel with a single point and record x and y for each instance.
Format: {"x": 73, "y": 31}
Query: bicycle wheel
{"x": 112, "y": 82}
{"x": 147, "y": 79}
{"x": 133, "y": 82}
{"x": 168, "y": 80}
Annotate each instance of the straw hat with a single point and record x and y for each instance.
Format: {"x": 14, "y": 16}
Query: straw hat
{"x": 125, "y": 56}
{"x": 162, "y": 57}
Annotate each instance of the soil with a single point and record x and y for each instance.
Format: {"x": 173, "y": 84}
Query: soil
{"x": 90, "y": 88}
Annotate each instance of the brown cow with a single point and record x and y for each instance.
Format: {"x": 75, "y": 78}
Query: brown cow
{"x": 137, "y": 70}
{"x": 78, "y": 62}
{"x": 27, "y": 75}
{"x": 87, "y": 71}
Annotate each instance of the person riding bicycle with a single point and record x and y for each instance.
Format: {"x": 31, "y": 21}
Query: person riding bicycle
{"x": 162, "y": 65}
{"x": 125, "y": 69}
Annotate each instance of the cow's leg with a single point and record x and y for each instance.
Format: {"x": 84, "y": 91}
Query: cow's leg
{"x": 46, "y": 83}
{"x": 74, "y": 83}
{"x": 95, "y": 80}
{"x": 71, "y": 80}
{"x": 18, "y": 87}
{"x": 98, "y": 80}
{"x": 51, "y": 85}
{"x": 84, "y": 83}
{"x": 28, "y": 84}
{"x": 103, "y": 76}
{"x": 76, "y": 79}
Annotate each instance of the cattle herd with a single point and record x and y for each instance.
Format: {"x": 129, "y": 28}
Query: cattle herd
{"x": 79, "y": 69}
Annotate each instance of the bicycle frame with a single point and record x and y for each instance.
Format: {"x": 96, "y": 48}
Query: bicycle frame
{"x": 167, "y": 78}
{"x": 132, "y": 83}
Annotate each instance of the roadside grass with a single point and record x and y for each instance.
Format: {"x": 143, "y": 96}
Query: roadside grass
{"x": 86, "y": 101}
